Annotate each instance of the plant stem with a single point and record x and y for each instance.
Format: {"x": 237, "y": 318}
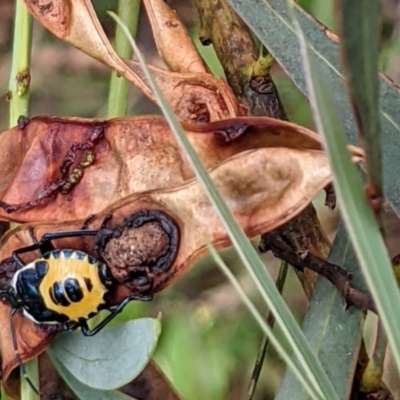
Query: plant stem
{"x": 18, "y": 96}
{"x": 128, "y": 10}
{"x": 280, "y": 282}
{"x": 20, "y": 72}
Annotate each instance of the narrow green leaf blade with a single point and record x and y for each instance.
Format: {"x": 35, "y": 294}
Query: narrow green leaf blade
{"x": 267, "y": 329}
{"x": 357, "y": 215}
{"x": 82, "y": 391}
{"x": 270, "y": 20}
{"x": 359, "y": 25}
{"x": 113, "y": 357}
{"x": 334, "y": 333}
{"x": 312, "y": 368}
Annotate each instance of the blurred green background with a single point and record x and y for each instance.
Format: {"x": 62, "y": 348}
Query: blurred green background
{"x": 209, "y": 342}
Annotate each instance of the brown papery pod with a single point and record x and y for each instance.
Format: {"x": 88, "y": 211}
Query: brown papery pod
{"x": 76, "y": 23}
{"x": 263, "y": 188}
{"x": 60, "y": 169}
{"x": 172, "y": 39}
{"x": 193, "y": 96}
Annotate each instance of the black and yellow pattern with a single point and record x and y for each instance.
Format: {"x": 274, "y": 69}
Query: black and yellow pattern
{"x": 72, "y": 285}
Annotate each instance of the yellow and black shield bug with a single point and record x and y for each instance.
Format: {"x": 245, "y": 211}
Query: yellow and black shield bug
{"x": 63, "y": 286}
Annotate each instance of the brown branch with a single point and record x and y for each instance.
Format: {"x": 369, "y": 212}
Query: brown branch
{"x": 338, "y": 276}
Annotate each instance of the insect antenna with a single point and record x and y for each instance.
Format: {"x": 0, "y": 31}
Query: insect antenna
{"x": 15, "y": 345}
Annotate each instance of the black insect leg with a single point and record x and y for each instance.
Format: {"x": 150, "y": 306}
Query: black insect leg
{"x": 45, "y": 245}
{"x": 69, "y": 327}
{"x": 112, "y": 315}
{"x": 17, "y": 355}
{"x": 15, "y": 255}
{"x": 66, "y": 234}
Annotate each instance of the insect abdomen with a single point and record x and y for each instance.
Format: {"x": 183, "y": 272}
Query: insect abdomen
{"x": 72, "y": 285}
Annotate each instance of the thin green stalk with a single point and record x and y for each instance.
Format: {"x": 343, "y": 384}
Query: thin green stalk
{"x": 128, "y": 10}
{"x": 19, "y": 105}
{"x": 258, "y": 317}
{"x": 280, "y": 283}
{"x": 20, "y": 77}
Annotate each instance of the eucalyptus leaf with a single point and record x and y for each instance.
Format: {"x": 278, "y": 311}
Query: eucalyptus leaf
{"x": 360, "y": 31}
{"x": 356, "y": 212}
{"x": 334, "y": 332}
{"x": 113, "y": 357}
{"x": 270, "y": 20}
{"x": 82, "y": 391}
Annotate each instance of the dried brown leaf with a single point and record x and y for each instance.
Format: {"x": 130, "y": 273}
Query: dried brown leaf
{"x": 76, "y": 23}
{"x": 197, "y": 97}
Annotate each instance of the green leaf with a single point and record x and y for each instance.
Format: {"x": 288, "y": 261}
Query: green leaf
{"x": 319, "y": 382}
{"x": 359, "y": 25}
{"x": 357, "y": 215}
{"x": 82, "y": 391}
{"x": 334, "y": 333}
{"x": 113, "y": 357}
{"x": 270, "y": 20}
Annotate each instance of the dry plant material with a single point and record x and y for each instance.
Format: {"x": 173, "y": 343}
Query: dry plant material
{"x": 338, "y": 276}
{"x": 76, "y": 23}
{"x": 151, "y": 384}
{"x": 194, "y": 97}
{"x": 264, "y": 188}
{"x": 47, "y": 176}
{"x": 246, "y": 70}
{"x": 173, "y": 42}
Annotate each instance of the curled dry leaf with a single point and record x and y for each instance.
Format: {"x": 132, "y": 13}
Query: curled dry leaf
{"x": 173, "y": 42}
{"x": 169, "y": 228}
{"x": 193, "y": 96}
{"x": 76, "y": 23}
{"x": 60, "y": 169}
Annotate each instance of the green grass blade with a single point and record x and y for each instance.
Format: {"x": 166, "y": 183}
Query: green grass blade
{"x": 357, "y": 215}
{"x": 284, "y": 318}
{"x": 270, "y": 20}
{"x": 335, "y": 333}
{"x": 260, "y": 319}
{"x": 359, "y": 25}
{"x": 119, "y": 87}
